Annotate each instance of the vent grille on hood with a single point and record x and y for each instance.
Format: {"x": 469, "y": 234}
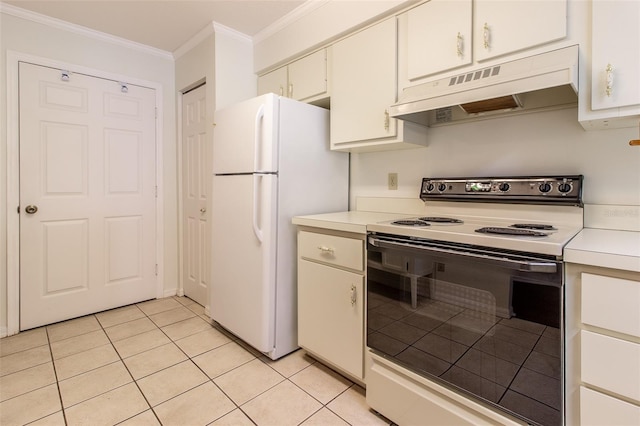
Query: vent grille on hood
{"x": 540, "y": 82}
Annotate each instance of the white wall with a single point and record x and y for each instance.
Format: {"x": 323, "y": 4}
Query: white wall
{"x": 235, "y": 79}
{"x": 74, "y": 48}
{"x": 536, "y": 144}
{"x": 317, "y": 23}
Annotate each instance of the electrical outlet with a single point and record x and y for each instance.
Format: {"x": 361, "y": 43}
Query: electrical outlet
{"x": 393, "y": 181}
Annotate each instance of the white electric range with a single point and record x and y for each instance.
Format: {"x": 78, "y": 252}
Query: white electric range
{"x": 470, "y": 297}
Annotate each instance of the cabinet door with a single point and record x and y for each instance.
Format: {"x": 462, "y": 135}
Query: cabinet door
{"x": 438, "y": 37}
{"x": 308, "y": 76}
{"x": 615, "y": 43}
{"x": 364, "y": 85}
{"x": 331, "y": 315}
{"x": 273, "y": 82}
{"x": 502, "y": 27}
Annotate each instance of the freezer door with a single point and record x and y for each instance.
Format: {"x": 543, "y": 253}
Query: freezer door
{"x": 244, "y": 257}
{"x": 245, "y": 136}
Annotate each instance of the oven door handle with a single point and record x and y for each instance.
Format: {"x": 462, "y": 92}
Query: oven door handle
{"x": 526, "y": 266}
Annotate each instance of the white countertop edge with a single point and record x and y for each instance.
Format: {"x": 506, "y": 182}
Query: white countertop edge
{"x": 604, "y": 260}
{"x": 331, "y": 225}
{"x": 606, "y": 248}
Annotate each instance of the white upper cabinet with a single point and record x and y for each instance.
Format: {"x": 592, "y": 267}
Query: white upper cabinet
{"x": 439, "y": 37}
{"x": 615, "y": 55}
{"x": 364, "y": 85}
{"x": 274, "y": 82}
{"x": 502, "y": 27}
{"x": 303, "y": 80}
{"x": 610, "y": 97}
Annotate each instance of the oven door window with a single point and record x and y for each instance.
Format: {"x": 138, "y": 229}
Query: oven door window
{"x": 492, "y": 332}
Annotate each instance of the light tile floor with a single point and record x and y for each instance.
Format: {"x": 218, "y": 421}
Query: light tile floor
{"x": 163, "y": 362}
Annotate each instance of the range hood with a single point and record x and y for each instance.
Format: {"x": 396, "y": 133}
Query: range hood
{"x": 539, "y": 82}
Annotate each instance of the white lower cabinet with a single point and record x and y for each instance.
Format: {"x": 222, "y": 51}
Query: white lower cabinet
{"x": 603, "y": 349}
{"x": 331, "y": 300}
{"x": 599, "y": 409}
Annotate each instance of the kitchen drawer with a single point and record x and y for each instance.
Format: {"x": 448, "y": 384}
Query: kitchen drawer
{"x": 611, "y": 364}
{"x": 611, "y": 303}
{"x": 599, "y": 409}
{"x": 331, "y": 249}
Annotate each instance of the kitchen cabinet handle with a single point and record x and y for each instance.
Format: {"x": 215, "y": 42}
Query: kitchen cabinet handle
{"x": 203, "y": 210}
{"x": 353, "y": 295}
{"x": 386, "y": 120}
{"x": 485, "y": 36}
{"x": 609, "y": 87}
{"x": 325, "y": 249}
{"x": 281, "y": 90}
{"x": 459, "y": 45}
{"x": 291, "y": 90}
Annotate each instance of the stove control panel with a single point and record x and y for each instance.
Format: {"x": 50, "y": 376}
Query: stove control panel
{"x": 565, "y": 190}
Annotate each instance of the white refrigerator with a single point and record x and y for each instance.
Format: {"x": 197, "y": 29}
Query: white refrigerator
{"x": 271, "y": 161}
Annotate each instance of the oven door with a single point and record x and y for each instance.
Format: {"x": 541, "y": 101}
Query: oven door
{"x": 482, "y": 322}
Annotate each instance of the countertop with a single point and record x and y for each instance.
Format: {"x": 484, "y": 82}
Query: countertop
{"x": 605, "y": 248}
{"x": 352, "y": 221}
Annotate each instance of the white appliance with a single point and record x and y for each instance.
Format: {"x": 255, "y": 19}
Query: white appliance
{"x": 465, "y": 303}
{"x": 271, "y": 161}
{"x": 543, "y": 81}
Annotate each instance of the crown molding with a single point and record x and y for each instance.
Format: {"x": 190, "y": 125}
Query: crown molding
{"x": 80, "y": 30}
{"x": 304, "y": 9}
{"x": 194, "y": 41}
{"x": 230, "y": 32}
{"x": 213, "y": 28}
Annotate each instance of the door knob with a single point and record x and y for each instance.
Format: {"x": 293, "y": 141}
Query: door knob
{"x": 203, "y": 210}
{"x": 31, "y": 209}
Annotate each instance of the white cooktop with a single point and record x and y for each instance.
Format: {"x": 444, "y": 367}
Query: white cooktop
{"x": 567, "y": 221}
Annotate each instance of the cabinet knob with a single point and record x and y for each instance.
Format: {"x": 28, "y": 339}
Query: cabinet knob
{"x": 486, "y": 36}
{"x": 609, "y": 86}
{"x": 354, "y": 295}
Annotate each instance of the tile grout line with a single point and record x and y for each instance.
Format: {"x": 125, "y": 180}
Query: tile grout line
{"x": 55, "y": 374}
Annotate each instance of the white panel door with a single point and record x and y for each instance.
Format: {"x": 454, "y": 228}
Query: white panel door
{"x": 87, "y": 164}
{"x": 196, "y": 175}
{"x": 243, "y": 271}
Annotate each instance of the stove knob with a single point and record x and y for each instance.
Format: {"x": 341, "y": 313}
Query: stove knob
{"x": 430, "y": 187}
{"x": 564, "y": 187}
{"x": 442, "y": 187}
{"x": 504, "y": 187}
{"x": 544, "y": 187}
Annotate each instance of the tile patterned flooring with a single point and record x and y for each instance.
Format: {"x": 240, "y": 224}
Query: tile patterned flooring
{"x": 163, "y": 362}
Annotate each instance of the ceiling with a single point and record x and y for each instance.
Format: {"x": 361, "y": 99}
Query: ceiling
{"x": 163, "y": 24}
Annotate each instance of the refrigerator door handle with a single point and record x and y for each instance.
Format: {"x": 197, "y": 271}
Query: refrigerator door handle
{"x": 257, "y": 148}
{"x": 256, "y": 206}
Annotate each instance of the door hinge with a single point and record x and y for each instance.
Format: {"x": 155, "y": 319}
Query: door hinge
{"x": 156, "y": 269}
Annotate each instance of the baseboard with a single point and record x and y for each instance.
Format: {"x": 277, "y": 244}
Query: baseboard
{"x": 170, "y": 292}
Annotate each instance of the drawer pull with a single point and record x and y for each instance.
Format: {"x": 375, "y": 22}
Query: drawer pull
{"x": 325, "y": 249}
{"x": 353, "y": 295}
